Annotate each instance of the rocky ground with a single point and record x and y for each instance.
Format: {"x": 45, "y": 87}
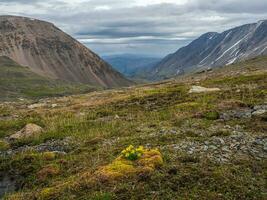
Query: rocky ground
{"x": 212, "y": 139}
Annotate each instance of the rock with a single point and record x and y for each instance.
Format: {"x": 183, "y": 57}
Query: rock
{"x": 265, "y": 147}
{"x": 37, "y": 105}
{"x": 259, "y": 112}
{"x": 245, "y": 113}
{"x": 218, "y": 140}
{"x": 260, "y": 107}
{"x": 7, "y": 184}
{"x": 30, "y": 130}
{"x": 54, "y": 105}
{"x": 199, "y": 89}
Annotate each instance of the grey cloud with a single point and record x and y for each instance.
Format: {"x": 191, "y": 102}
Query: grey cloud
{"x": 230, "y": 6}
{"x": 159, "y": 26}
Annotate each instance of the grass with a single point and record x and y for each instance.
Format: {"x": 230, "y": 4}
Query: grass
{"x": 19, "y": 82}
{"x": 102, "y": 124}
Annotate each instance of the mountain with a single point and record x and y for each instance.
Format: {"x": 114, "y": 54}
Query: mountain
{"x": 215, "y": 49}
{"x": 20, "y": 82}
{"x": 130, "y": 65}
{"x": 50, "y": 52}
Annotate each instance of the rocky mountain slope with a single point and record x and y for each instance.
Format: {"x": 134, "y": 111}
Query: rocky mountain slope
{"x": 50, "y": 52}
{"x": 203, "y": 137}
{"x": 17, "y": 82}
{"x": 215, "y": 49}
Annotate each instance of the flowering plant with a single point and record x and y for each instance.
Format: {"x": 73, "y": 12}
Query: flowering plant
{"x": 131, "y": 153}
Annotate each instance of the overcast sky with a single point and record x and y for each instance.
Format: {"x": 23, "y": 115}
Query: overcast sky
{"x": 153, "y": 27}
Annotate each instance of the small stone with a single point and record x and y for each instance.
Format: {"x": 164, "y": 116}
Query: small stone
{"x": 221, "y": 141}
{"x": 260, "y": 107}
{"x": 37, "y": 105}
{"x": 54, "y": 105}
{"x": 259, "y": 112}
{"x": 258, "y": 141}
{"x": 205, "y": 148}
{"x": 212, "y": 147}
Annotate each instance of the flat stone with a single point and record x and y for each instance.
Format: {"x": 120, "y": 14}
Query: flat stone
{"x": 37, "y": 105}
{"x": 259, "y": 112}
{"x": 199, "y": 89}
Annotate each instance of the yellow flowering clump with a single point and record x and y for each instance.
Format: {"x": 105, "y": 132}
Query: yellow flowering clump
{"x": 132, "y": 161}
{"x": 131, "y": 153}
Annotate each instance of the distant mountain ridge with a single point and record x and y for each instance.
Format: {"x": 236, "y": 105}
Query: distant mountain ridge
{"x": 131, "y": 64}
{"x": 215, "y": 49}
{"x": 50, "y": 52}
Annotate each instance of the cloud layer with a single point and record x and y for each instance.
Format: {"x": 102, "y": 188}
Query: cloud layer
{"x": 139, "y": 26}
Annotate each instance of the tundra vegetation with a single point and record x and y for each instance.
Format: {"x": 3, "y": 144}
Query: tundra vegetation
{"x": 209, "y": 145}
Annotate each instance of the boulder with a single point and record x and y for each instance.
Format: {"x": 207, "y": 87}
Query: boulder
{"x": 30, "y": 130}
{"x": 199, "y": 89}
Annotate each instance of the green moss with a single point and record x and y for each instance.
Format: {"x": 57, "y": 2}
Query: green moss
{"x": 4, "y": 145}
{"x": 212, "y": 115}
{"x": 221, "y": 133}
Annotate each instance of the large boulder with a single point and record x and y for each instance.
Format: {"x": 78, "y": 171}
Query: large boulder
{"x": 199, "y": 89}
{"x": 29, "y": 131}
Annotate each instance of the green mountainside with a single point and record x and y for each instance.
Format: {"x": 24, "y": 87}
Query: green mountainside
{"x": 20, "y": 82}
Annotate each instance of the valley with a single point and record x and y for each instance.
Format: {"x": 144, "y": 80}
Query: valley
{"x": 95, "y": 106}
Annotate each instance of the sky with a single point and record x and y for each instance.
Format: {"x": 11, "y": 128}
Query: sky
{"x": 148, "y": 27}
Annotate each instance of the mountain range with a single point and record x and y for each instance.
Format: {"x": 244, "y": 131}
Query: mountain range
{"x": 213, "y": 50}
{"x": 131, "y": 64}
{"x": 50, "y": 52}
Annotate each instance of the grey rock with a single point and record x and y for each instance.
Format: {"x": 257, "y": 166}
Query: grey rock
{"x": 259, "y": 112}
{"x": 260, "y": 107}
{"x": 7, "y": 184}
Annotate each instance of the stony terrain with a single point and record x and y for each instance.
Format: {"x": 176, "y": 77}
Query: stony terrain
{"x": 212, "y": 139}
{"x": 51, "y": 53}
